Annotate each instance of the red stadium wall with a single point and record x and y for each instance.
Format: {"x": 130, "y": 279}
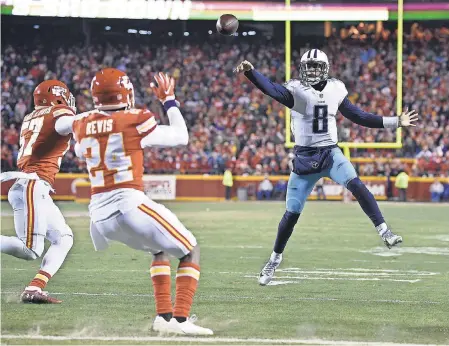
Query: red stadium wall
{"x": 71, "y": 187}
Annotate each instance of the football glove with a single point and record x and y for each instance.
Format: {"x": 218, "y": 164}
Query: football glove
{"x": 165, "y": 87}
{"x": 408, "y": 118}
{"x": 244, "y": 66}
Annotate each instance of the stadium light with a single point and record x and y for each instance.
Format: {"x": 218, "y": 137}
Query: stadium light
{"x": 244, "y": 33}
{"x": 170, "y": 33}
{"x": 251, "y": 33}
{"x": 36, "y": 26}
{"x": 132, "y": 31}
{"x": 186, "y": 33}
{"x": 210, "y": 32}
{"x": 107, "y": 28}
{"x": 143, "y": 32}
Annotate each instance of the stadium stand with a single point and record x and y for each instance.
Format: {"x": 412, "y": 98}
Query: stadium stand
{"x": 231, "y": 124}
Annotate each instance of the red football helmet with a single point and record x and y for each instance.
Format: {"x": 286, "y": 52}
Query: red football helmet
{"x": 111, "y": 89}
{"x": 53, "y": 92}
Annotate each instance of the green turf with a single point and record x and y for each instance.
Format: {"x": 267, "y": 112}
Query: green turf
{"x": 331, "y": 248}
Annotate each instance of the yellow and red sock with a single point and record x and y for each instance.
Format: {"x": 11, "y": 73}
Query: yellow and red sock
{"x": 40, "y": 280}
{"x": 160, "y": 275}
{"x": 187, "y": 278}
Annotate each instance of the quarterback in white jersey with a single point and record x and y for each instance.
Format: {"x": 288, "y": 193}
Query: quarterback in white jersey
{"x": 315, "y": 100}
{"x": 314, "y": 112}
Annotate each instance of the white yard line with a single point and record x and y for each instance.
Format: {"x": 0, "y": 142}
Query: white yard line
{"x": 206, "y": 340}
{"x": 343, "y": 273}
{"x": 305, "y": 277}
{"x": 65, "y": 213}
{"x": 296, "y": 275}
{"x": 235, "y": 297}
{"x": 319, "y": 271}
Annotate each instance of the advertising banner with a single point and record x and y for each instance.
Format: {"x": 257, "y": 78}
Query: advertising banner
{"x": 160, "y": 187}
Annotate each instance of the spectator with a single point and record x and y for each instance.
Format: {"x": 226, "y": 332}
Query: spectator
{"x": 402, "y": 185}
{"x": 231, "y": 122}
{"x": 445, "y": 197}
{"x": 265, "y": 189}
{"x": 280, "y": 190}
{"x": 19, "y": 111}
{"x": 436, "y": 191}
{"x": 228, "y": 183}
{"x": 320, "y": 189}
{"x": 389, "y": 191}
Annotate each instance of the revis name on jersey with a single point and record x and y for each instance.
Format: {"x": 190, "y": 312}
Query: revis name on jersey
{"x": 314, "y": 112}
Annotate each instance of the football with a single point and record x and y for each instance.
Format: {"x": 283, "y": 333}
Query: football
{"x": 227, "y": 24}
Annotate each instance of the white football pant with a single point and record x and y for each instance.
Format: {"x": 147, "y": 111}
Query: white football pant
{"x": 149, "y": 227}
{"x": 37, "y": 218}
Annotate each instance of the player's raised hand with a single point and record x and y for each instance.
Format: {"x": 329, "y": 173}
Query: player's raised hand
{"x": 165, "y": 87}
{"x": 244, "y": 66}
{"x": 408, "y": 118}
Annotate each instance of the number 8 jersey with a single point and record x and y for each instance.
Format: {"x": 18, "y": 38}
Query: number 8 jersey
{"x": 110, "y": 143}
{"x": 314, "y": 112}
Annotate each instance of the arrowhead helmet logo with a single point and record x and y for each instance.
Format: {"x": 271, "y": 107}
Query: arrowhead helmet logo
{"x": 314, "y": 164}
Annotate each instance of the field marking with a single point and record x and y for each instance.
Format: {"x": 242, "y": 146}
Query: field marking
{"x": 398, "y": 251}
{"x": 68, "y": 214}
{"x": 336, "y": 279}
{"x": 296, "y": 275}
{"x": 357, "y": 272}
{"x": 207, "y": 340}
{"x": 319, "y": 271}
{"x": 235, "y": 297}
{"x": 441, "y": 237}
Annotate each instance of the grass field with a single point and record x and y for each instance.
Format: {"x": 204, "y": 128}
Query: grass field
{"x": 337, "y": 281}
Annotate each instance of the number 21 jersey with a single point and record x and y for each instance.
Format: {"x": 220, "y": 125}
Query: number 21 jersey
{"x": 110, "y": 143}
{"x": 314, "y": 112}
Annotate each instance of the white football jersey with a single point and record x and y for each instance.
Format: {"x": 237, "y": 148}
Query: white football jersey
{"x": 313, "y": 116}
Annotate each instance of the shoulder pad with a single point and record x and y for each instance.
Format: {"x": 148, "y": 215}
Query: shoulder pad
{"x": 338, "y": 83}
{"x": 60, "y": 110}
{"x": 85, "y": 114}
{"x": 296, "y": 84}
{"x": 134, "y": 111}
{"x": 335, "y": 80}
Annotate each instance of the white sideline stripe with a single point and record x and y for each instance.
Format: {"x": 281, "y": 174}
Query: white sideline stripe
{"x": 207, "y": 340}
{"x": 234, "y": 297}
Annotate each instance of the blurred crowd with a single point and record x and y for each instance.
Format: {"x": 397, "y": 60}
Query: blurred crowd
{"x": 232, "y": 124}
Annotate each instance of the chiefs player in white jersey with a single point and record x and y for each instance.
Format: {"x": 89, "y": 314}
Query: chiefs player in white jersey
{"x": 111, "y": 139}
{"x": 44, "y": 139}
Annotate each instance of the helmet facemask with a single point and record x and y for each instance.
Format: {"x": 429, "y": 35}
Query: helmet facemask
{"x": 313, "y": 71}
{"x": 71, "y": 102}
{"x": 125, "y": 81}
{"x": 59, "y": 91}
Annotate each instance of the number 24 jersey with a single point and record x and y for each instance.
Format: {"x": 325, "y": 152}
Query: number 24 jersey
{"x": 110, "y": 143}
{"x": 314, "y": 112}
